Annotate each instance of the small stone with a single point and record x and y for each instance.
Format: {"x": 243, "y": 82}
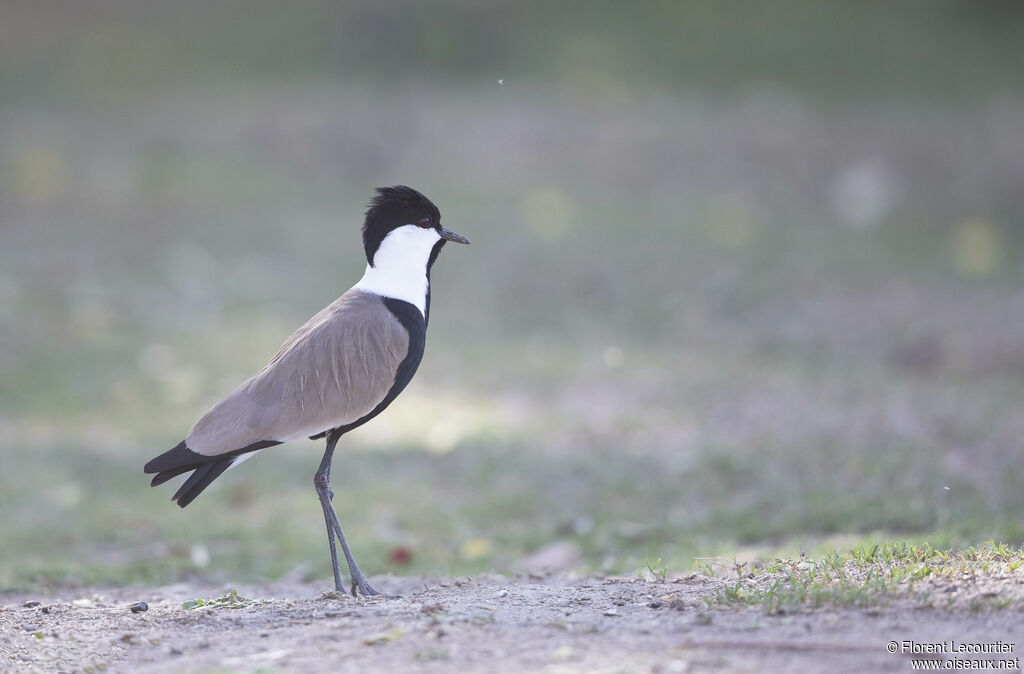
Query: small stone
{"x": 611, "y": 612}
{"x": 501, "y": 593}
{"x": 30, "y": 604}
{"x": 139, "y": 607}
{"x": 30, "y": 628}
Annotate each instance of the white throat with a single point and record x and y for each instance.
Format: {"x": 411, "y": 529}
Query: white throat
{"x": 399, "y": 267}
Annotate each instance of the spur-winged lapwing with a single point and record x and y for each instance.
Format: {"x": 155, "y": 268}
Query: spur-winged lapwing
{"x": 338, "y": 371}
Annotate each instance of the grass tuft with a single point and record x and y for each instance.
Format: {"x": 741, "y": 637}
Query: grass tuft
{"x": 231, "y": 600}
{"x": 876, "y": 575}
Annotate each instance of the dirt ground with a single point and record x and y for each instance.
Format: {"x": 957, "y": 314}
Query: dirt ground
{"x": 484, "y": 624}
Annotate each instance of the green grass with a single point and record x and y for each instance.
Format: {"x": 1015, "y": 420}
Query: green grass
{"x": 231, "y": 600}
{"x": 869, "y": 576}
{"x": 263, "y": 521}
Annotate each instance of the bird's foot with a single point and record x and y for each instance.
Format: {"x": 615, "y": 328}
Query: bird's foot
{"x": 367, "y": 590}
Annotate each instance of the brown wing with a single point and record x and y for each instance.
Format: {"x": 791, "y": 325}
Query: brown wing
{"x": 332, "y": 371}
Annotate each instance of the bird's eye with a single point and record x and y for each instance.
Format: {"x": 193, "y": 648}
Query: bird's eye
{"x": 424, "y": 223}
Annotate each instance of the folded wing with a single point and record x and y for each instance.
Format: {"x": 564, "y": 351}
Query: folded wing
{"x": 332, "y": 371}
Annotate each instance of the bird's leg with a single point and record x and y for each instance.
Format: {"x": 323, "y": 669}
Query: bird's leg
{"x": 322, "y": 482}
{"x": 323, "y": 490}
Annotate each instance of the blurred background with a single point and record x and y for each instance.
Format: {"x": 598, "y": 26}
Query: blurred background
{"x": 746, "y": 279}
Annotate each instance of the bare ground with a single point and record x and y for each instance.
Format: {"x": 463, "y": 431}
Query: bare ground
{"x": 485, "y": 624}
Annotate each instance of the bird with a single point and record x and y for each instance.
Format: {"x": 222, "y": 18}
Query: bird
{"x": 343, "y": 367}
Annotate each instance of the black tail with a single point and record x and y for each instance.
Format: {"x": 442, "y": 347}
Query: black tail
{"x": 181, "y": 459}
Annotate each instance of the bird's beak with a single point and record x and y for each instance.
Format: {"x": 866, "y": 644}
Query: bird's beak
{"x": 452, "y": 236}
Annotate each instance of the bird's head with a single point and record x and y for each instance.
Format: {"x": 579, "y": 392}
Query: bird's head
{"x": 403, "y": 225}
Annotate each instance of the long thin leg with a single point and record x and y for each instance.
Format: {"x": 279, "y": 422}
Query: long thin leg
{"x": 322, "y": 481}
